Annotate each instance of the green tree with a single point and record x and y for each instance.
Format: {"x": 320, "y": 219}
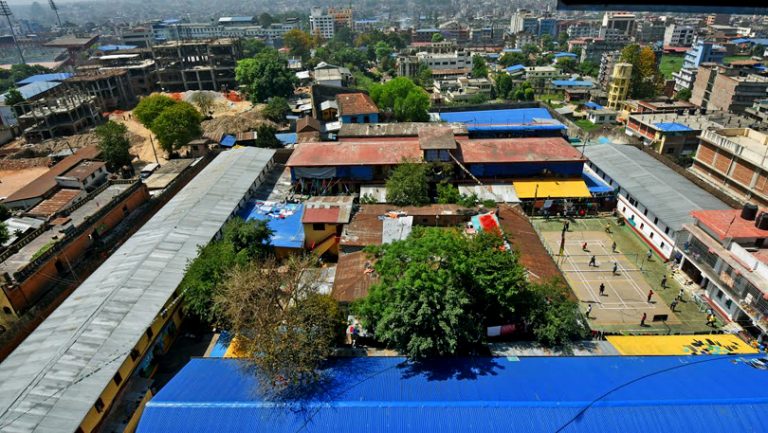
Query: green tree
{"x": 242, "y": 242}
{"x": 437, "y": 37}
{"x": 438, "y": 290}
{"x": 530, "y": 49}
{"x": 547, "y": 44}
{"x": 114, "y": 144}
{"x": 298, "y": 42}
{"x": 5, "y": 213}
{"x": 176, "y": 126}
{"x": 643, "y": 82}
{"x": 447, "y": 193}
{"x": 479, "y": 67}
{"x": 4, "y": 236}
{"x": 683, "y": 95}
{"x": 12, "y": 98}
{"x": 424, "y": 76}
{"x": 562, "y": 40}
{"x": 265, "y": 19}
{"x": 554, "y": 317}
{"x": 567, "y": 64}
{"x": 350, "y": 57}
{"x": 265, "y": 76}
{"x": 203, "y": 101}
{"x": 504, "y": 85}
{"x": 281, "y": 321}
{"x": 529, "y": 94}
{"x": 588, "y": 68}
{"x": 276, "y": 109}
{"x": 404, "y": 99}
{"x": 251, "y": 47}
{"x": 343, "y": 37}
{"x": 265, "y": 137}
{"x": 383, "y": 52}
{"x": 150, "y": 107}
{"x": 407, "y": 184}
{"x": 509, "y": 59}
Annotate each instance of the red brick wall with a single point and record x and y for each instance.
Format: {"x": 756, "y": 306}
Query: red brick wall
{"x": 743, "y": 173}
{"x": 721, "y": 163}
{"x": 706, "y": 153}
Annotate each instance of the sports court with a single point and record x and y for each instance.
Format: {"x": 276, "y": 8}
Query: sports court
{"x": 626, "y": 291}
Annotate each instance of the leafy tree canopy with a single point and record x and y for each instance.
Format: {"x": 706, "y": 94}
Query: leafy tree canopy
{"x": 683, "y": 95}
{"x": 150, "y": 107}
{"x": 299, "y": 42}
{"x": 407, "y": 184}
{"x": 479, "y": 67}
{"x": 265, "y": 76}
{"x": 504, "y": 85}
{"x": 251, "y": 47}
{"x": 265, "y": 137}
{"x": 403, "y": 98}
{"x": 177, "y": 125}
{"x": 4, "y": 236}
{"x": 509, "y": 59}
{"x": 437, "y": 37}
{"x": 276, "y": 109}
{"x": 114, "y": 144}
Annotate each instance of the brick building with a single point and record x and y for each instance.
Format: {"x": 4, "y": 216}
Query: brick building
{"x": 720, "y": 88}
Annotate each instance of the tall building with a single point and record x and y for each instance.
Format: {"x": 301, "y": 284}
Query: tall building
{"x": 321, "y": 24}
{"x": 735, "y": 161}
{"x": 702, "y": 52}
{"x": 547, "y": 26}
{"x": 607, "y": 61}
{"x": 677, "y": 35}
{"x": 342, "y": 17}
{"x": 618, "y": 23}
{"x": 718, "y": 19}
{"x": 594, "y": 48}
{"x": 523, "y": 21}
{"x": 720, "y": 88}
{"x": 583, "y": 30}
{"x": 197, "y": 65}
{"x": 650, "y": 31}
{"x": 620, "y": 79}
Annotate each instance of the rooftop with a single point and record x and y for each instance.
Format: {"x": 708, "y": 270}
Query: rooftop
{"x": 55, "y": 375}
{"x": 611, "y": 394}
{"x": 404, "y": 129}
{"x": 284, "y": 219}
{"x": 35, "y": 88}
{"x": 519, "y": 119}
{"x": 437, "y": 137}
{"x": 55, "y": 203}
{"x": 84, "y": 169}
{"x": 506, "y": 150}
{"x": 745, "y": 142}
{"x": 352, "y": 281}
{"x": 47, "y": 180}
{"x": 353, "y": 104}
{"x": 328, "y": 209}
{"x": 728, "y": 224}
{"x": 72, "y": 42}
{"x": 694, "y": 122}
{"x": 648, "y": 181}
{"x": 59, "y": 76}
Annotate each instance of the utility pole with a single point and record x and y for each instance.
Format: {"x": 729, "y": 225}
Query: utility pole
{"x": 55, "y": 9}
{"x": 6, "y": 12}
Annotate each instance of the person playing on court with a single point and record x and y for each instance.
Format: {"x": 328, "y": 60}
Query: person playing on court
{"x": 602, "y": 289}
{"x": 650, "y": 295}
{"x": 589, "y": 310}
{"x": 593, "y": 261}
{"x": 673, "y": 305}
{"x": 584, "y": 247}
{"x": 613, "y": 246}
{"x": 649, "y": 254}
{"x": 664, "y": 282}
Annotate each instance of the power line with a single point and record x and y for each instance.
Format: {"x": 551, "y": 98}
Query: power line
{"x": 6, "y": 12}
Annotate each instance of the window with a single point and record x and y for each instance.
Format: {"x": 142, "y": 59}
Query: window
{"x": 118, "y": 379}
{"x": 99, "y": 405}
{"x": 150, "y": 333}
{"x": 656, "y": 220}
{"x": 728, "y": 303}
{"x": 642, "y": 226}
{"x": 719, "y": 294}
{"x": 666, "y": 231}
{"x": 318, "y": 227}
{"x": 651, "y": 235}
{"x": 134, "y": 354}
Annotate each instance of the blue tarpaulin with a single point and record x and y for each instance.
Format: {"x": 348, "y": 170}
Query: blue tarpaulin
{"x": 515, "y": 68}
{"x": 33, "y": 89}
{"x": 284, "y": 219}
{"x": 59, "y": 76}
{"x": 228, "y": 141}
{"x": 593, "y": 105}
{"x": 286, "y": 137}
{"x": 505, "y": 120}
{"x": 672, "y": 127}
{"x": 607, "y": 394}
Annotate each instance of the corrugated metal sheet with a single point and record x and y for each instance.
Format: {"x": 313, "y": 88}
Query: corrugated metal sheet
{"x": 390, "y": 395}
{"x": 550, "y": 188}
{"x": 51, "y": 381}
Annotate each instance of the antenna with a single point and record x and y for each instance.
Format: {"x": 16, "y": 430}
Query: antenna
{"x": 6, "y": 12}
{"x": 55, "y": 9}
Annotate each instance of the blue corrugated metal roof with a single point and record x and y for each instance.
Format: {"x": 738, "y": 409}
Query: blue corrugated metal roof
{"x": 512, "y": 50}
{"x": 515, "y": 68}
{"x": 33, "y": 89}
{"x": 564, "y": 54}
{"x": 510, "y": 119}
{"x": 228, "y": 141}
{"x": 573, "y": 83}
{"x": 60, "y": 76}
{"x": 709, "y": 394}
{"x": 595, "y": 184}
{"x": 284, "y": 219}
{"x": 671, "y": 127}
{"x": 593, "y": 105}
{"x": 286, "y": 137}
{"x": 740, "y": 41}
{"x": 115, "y": 47}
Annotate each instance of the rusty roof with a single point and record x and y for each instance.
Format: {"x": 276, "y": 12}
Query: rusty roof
{"x": 437, "y": 137}
{"x": 307, "y": 123}
{"x": 533, "y": 255}
{"x": 328, "y": 209}
{"x": 378, "y": 151}
{"x": 507, "y": 150}
{"x": 47, "y": 181}
{"x": 729, "y": 224}
{"x": 60, "y": 200}
{"x": 84, "y": 169}
{"x": 352, "y": 282}
{"x": 319, "y": 215}
{"x": 352, "y": 104}
{"x": 402, "y": 129}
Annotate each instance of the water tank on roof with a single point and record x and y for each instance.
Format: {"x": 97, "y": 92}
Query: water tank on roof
{"x": 749, "y": 211}
{"x": 761, "y": 222}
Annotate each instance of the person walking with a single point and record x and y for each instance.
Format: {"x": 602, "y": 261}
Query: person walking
{"x": 613, "y": 246}
{"x": 664, "y": 281}
{"x": 568, "y": 226}
{"x": 589, "y": 310}
{"x": 650, "y": 295}
{"x": 649, "y": 254}
{"x": 642, "y": 320}
{"x": 680, "y": 295}
{"x": 602, "y": 289}
{"x": 673, "y": 305}
{"x": 584, "y": 247}
{"x": 615, "y": 267}
{"x": 593, "y": 261}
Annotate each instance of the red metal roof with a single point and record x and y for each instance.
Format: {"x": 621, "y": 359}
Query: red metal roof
{"x": 320, "y": 215}
{"x": 728, "y": 223}
{"x": 517, "y": 150}
{"x": 355, "y": 152}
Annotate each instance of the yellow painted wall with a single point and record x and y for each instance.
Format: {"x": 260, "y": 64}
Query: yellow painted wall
{"x": 721, "y": 344}
{"x": 94, "y": 417}
{"x": 315, "y": 237}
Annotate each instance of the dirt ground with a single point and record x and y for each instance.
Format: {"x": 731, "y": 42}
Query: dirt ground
{"x": 626, "y": 291}
{"x": 13, "y": 180}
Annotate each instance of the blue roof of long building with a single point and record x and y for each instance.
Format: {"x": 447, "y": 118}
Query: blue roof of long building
{"x": 33, "y": 89}
{"x": 573, "y": 83}
{"x": 515, "y": 68}
{"x": 593, "y": 105}
{"x": 564, "y": 54}
{"x": 709, "y": 394}
{"x": 115, "y": 47}
{"x": 59, "y": 76}
{"x": 672, "y": 127}
{"x": 510, "y": 119}
{"x": 284, "y": 219}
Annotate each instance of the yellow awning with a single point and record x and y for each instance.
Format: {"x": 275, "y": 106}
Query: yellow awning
{"x": 550, "y": 188}
{"x": 723, "y": 344}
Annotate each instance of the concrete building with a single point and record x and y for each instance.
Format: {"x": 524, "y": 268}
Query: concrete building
{"x": 718, "y": 19}
{"x": 593, "y": 49}
{"x": 677, "y": 35}
{"x": 105, "y": 337}
{"x": 541, "y": 77}
{"x": 653, "y": 199}
{"x": 458, "y": 59}
{"x": 726, "y": 253}
{"x": 342, "y": 17}
{"x": 111, "y": 88}
{"x": 588, "y": 29}
{"x": 650, "y": 31}
{"x": 71, "y": 113}
{"x": 619, "y": 88}
{"x": 466, "y": 89}
{"x": 701, "y": 52}
{"x": 140, "y": 67}
{"x": 197, "y": 65}
{"x": 736, "y": 161}
{"x": 618, "y": 23}
{"x": 758, "y": 111}
{"x": 321, "y": 24}
{"x": 607, "y": 62}
{"x": 720, "y": 88}
{"x": 357, "y": 108}
{"x": 523, "y": 21}
{"x": 546, "y": 26}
